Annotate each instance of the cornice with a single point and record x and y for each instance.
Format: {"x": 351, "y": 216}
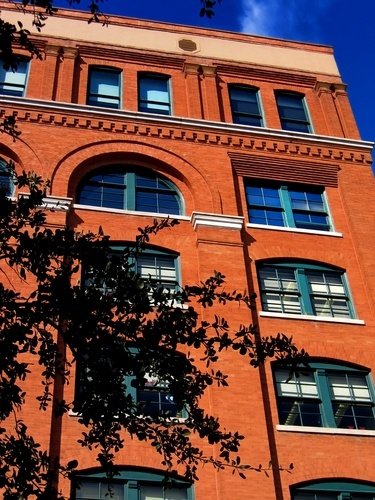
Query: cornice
{"x": 232, "y": 136}
{"x": 269, "y": 75}
{"x": 137, "y": 56}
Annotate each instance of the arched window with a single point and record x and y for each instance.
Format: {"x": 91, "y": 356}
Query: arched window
{"x": 325, "y": 394}
{"x": 245, "y": 105}
{"x": 334, "y": 490}
{"x": 293, "y": 111}
{"x": 6, "y": 178}
{"x": 120, "y": 187}
{"x": 131, "y": 484}
{"x": 305, "y": 289}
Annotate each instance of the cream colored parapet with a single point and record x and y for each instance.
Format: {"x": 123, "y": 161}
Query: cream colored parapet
{"x": 165, "y": 38}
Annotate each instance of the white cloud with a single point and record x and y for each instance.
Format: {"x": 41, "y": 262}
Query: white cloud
{"x": 295, "y": 19}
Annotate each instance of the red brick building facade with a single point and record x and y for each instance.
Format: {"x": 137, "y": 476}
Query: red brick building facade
{"x": 251, "y": 143}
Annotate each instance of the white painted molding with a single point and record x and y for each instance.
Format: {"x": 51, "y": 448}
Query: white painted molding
{"x": 54, "y": 203}
{"x": 308, "y": 317}
{"x": 295, "y": 230}
{"x": 325, "y": 430}
{"x": 204, "y": 125}
{"x": 154, "y": 215}
{"x": 216, "y": 220}
{"x": 57, "y": 203}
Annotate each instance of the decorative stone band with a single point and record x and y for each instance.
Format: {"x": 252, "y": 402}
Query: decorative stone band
{"x": 216, "y": 220}
{"x": 54, "y": 203}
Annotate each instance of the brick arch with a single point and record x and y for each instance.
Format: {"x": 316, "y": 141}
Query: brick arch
{"x": 194, "y": 187}
{"x": 24, "y": 156}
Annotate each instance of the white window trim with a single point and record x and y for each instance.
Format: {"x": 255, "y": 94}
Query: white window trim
{"x": 295, "y": 230}
{"x": 170, "y": 420}
{"x": 130, "y": 212}
{"x": 216, "y": 220}
{"x": 328, "y": 319}
{"x": 325, "y": 430}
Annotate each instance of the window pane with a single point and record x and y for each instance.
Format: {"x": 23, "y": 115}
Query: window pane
{"x": 265, "y": 196}
{"x": 350, "y": 416}
{"x": 351, "y": 387}
{"x": 156, "y": 493}
{"x": 303, "y": 385}
{"x": 154, "y": 94}
{"x": 13, "y": 82}
{"x": 287, "y": 206}
{"x": 97, "y": 490}
{"x": 268, "y": 217}
{"x": 292, "y": 112}
{"x": 155, "y": 195}
{"x": 245, "y": 106}
{"x": 104, "y": 88}
{"x": 113, "y": 187}
{"x": 6, "y": 180}
{"x": 298, "y": 412}
{"x": 326, "y": 290}
{"x": 315, "y": 496}
{"x": 161, "y": 269}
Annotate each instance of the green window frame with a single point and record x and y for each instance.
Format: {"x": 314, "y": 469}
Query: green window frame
{"x": 6, "y": 179}
{"x": 325, "y": 394}
{"x": 154, "y": 95}
{"x": 334, "y": 490}
{"x": 304, "y": 289}
{"x": 153, "y": 399}
{"x": 124, "y": 187}
{"x": 104, "y": 87}
{"x": 13, "y": 81}
{"x": 160, "y": 267}
{"x": 294, "y": 206}
{"x": 245, "y": 105}
{"x": 293, "y": 111}
{"x": 131, "y": 484}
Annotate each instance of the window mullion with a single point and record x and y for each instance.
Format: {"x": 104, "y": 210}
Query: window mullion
{"x": 131, "y": 490}
{"x": 328, "y": 419}
{"x": 129, "y": 192}
{"x": 344, "y": 496}
{"x": 132, "y": 391}
{"x": 304, "y": 290}
{"x": 287, "y": 206}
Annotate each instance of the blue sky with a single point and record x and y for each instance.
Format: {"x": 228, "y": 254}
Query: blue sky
{"x": 347, "y": 25}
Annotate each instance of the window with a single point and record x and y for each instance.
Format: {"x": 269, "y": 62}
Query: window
{"x": 154, "y": 399}
{"x": 274, "y": 204}
{"x": 154, "y": 94}
{"x": 130, "y": 484}
{"x": 13, "y": 82}
{"x": 325, "y": 395}
{"x": 292, "y": 288}
{"x": 335, "y": 490}
{"x": 6, "y": 179}
{"x": 159, "y": 268}
{"x": 119, "y": 187}
{"x": 292, "y": 112}
{"x": 104, "y": 87}
{"x": 245, "y": 106}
